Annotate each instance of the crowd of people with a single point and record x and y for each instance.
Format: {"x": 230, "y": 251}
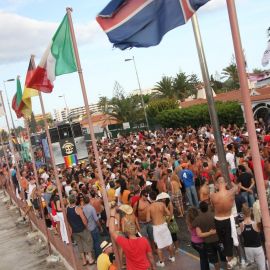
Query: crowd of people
{"x": 153, "y": 179}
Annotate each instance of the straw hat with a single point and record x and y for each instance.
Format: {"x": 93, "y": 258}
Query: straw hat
{"x": 104, "y": 245}
{"x": 126, "y": 209}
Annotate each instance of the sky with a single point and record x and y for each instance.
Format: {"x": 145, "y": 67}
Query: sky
{"x": 27, "y": 26}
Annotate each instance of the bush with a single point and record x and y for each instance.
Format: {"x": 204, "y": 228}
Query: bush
{"x": 157, "y": 106}
{"x": 198, "y": 115}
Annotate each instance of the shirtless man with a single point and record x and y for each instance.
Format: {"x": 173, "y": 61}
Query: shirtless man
{"x": 223, "y": 201}
{"x": 140, "y": 209}
{"x": 157, "y": 213}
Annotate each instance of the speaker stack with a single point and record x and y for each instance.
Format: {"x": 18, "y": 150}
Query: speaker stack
{"x": 68, "y": 144}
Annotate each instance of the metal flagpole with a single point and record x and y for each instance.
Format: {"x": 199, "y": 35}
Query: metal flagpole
{"x": 85, "y": 98}
{"x": 26, "y": 123}
{"x": 10, "y": 139}
{"x": 210, "y": 100}
{"x": 11, "y": 116}
{"x": 93, "y": 138}
{"x": 256, "y": 159}
{"x": 59, "y": 186}
{"x": 140, "y": 89}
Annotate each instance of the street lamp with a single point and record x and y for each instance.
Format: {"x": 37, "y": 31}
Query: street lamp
{"x": 67, "y": 110}
{"x": 12, "y": 120}
{"x": 139, "y": 84}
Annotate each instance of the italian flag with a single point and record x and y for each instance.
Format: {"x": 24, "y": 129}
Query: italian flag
{"x": 58, "y": 59}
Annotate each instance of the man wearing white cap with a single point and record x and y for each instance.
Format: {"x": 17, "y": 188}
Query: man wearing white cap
{"x": 157, "y": 213}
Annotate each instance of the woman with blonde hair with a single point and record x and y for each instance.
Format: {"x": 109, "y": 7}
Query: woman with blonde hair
{"x": 252, "y": 239}
{"x": 176, "y": 194}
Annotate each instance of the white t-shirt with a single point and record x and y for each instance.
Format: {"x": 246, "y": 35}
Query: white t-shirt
{"x": 67, "y": 190}
{"x": 45, "y": 176}
{"x": 231, "y": 160}
{"x": 215, "y": 159}
{"x": 117, "y": 194}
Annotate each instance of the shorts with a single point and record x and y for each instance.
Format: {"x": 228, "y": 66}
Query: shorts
{"x": 147, "y": 230}
{"x": 177, "y": 200}
{"x": 84, "y": 240}
{"x": 162, "y": 235}
{"x": 224, "y": 232}
{"x": 174, "y": 237}
{"x": 214, "y": 251}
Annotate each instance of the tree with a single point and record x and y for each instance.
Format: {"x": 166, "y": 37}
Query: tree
{"x": 258, "y": 71}
{"x": 4, "y": 135}
{"x": 216, "y": 84}
{"x": 103, "y": 104}
{"x": 230, "y": 73}
{"x": 42, "y": 123}
{"x": 33, "y": 123}
{"x": 156, "y": 106}
{"x": 165, "y": 87}
{"x": 126, "y": 108}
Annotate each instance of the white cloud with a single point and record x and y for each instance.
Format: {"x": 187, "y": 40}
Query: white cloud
{"x": 214, "y": 4}
{"x": 21, "y": 36}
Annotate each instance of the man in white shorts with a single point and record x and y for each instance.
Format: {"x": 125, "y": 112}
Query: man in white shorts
{"x": 157, "y": 213}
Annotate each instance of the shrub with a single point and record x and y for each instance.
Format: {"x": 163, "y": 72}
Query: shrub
{"x": 198, "y": 115}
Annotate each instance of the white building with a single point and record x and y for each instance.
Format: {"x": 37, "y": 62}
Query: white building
{"x": 60, "y": 115}
{"x": 147, "y": 91}
{"x": 74, "y": 114}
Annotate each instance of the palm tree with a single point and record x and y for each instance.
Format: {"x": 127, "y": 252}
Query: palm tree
{"x": 185, "y": 85}
{"x": 165, "y": 87}
{"x": 103, "y": 104}
{"x": 125, "y": 108}
{"x": 230, "y": 73}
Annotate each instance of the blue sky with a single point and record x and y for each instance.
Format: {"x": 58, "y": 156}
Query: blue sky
{"x": 26, "y": 27}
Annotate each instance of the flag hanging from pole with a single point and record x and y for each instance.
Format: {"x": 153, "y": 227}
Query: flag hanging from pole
{"x": 58, "y": 59}
{"x": 143, "y": 23}
{"x": 266, "y": 55}
{"x": 28, "y": 92}
{"x": 17, "y": 103}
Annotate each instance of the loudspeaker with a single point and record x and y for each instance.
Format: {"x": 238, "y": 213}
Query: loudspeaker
{"x": 54, "y": 135}
{"x": 64, "y": 131}
{"x": 80, "y": 144}
{"x": 35, "y": 140}
{"x": 56, "y": 148}
{"x": 77, "y": 131}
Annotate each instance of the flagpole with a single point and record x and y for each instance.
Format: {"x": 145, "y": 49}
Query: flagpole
{"x": 210, "y": 100}
{"x": 91, "y": 128}
{"x": 26, "y": 123}
{"x": 86, "y": 104}
{"x": 11, "y": 146}
{"x": 59, "y": 187}
{"x": 256, "y": 159}
{"x": 11, "y": 116}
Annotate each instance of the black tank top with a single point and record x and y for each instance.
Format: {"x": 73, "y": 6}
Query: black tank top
{"x": 251, "y": 237}
{"x": 74, "y": 220}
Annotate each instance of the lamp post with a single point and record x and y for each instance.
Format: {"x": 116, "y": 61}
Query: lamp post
{"x": 12, "y": 120}
{"x": 139, "y": 84}
{"x": 67, "y": 110}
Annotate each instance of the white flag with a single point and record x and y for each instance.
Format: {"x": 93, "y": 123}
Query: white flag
{"x": 266, "y": 55}
{"x": 2, "y": 112}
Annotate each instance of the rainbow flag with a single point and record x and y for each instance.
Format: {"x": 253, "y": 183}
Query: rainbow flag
{"x": 71, "y": 160}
